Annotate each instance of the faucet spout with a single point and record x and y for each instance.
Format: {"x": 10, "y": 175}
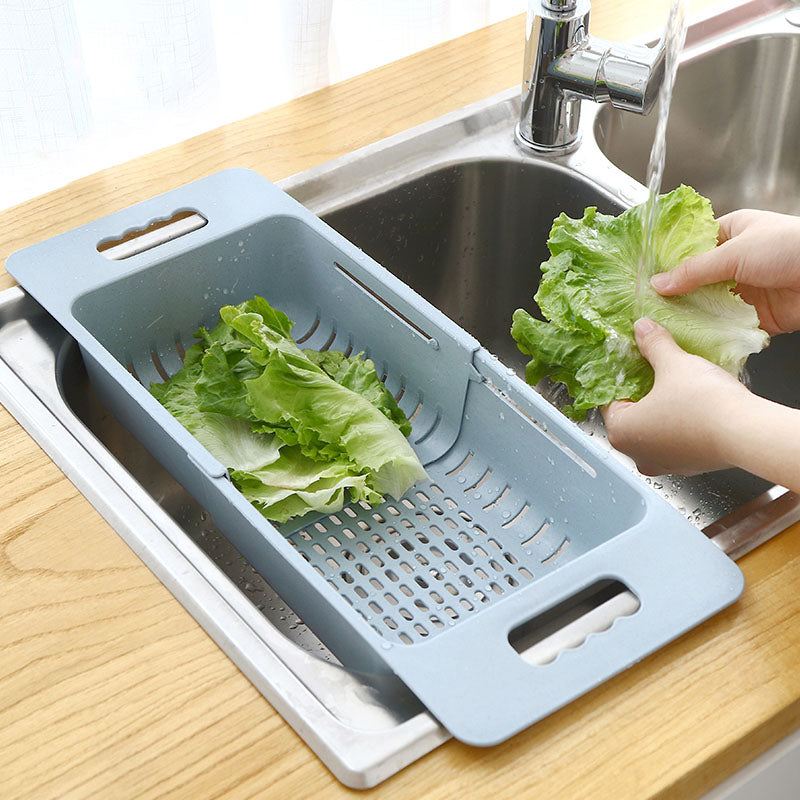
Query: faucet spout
{"x": 626, "y": 75}
{"x": 564, "y": 65}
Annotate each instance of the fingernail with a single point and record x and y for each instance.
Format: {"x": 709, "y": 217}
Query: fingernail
{"x": 643, "y": 326}
{"x": 661, "y": 281}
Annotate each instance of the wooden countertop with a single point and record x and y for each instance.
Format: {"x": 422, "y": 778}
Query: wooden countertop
{"x": 109, "y": 689}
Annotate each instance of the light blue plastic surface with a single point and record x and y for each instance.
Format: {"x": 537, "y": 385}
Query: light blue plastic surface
{"x": 521, "y": 512}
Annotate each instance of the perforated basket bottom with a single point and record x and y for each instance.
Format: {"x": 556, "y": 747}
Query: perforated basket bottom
{"x": 414, "y": 567}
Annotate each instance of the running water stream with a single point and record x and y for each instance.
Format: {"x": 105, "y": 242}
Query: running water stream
{"x": 674, "y": 36}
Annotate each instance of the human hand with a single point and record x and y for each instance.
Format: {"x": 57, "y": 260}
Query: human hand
{"x": 760, "y": 251}
{"x": 682, "y": 426}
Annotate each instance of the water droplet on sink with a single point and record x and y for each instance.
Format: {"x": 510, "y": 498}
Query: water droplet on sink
{"x": 626, "y": 195}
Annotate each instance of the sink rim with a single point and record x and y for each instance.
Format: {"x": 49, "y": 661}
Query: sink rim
{"x": 458, "y": 137}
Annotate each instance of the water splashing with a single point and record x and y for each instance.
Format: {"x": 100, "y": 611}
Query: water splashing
{"x": 674, "y": 36}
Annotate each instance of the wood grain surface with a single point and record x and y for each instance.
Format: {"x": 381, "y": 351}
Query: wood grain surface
{"x": 109, "y": 689}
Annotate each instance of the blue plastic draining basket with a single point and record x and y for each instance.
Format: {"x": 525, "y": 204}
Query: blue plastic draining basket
{"x": 522, "y": 510}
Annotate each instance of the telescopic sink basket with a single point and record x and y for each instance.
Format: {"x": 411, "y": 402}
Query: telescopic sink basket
{"x": 522, "y": 510}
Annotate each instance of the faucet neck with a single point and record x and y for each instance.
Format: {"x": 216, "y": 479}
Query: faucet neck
{"x": 564, "y": 65}
{"x": 549, "y": 117}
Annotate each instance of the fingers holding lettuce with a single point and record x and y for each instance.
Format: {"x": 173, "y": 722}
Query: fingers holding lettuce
{"x": 679, "y": 427}
{"x": 760, "y": 252}
{"x": 712, "y": 291}
{"x": 596, "y": 284}
{"x": 698, "y": 418}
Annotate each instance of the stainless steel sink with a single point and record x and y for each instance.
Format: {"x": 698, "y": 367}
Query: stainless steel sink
{"x": 470, "y": 236}
{"x": 734, "y": 122}
{"x": 458, "y": 211}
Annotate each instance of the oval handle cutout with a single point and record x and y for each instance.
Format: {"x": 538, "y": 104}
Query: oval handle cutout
{"x": 568, "y": 624}
{"x": 158, "y": 232}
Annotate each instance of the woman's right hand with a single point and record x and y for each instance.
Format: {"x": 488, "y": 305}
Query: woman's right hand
{"x": 760, "y": 251}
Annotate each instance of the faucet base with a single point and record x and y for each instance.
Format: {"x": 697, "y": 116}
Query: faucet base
{"x": 543, "y": 149}
{"x": 565, "y": 65}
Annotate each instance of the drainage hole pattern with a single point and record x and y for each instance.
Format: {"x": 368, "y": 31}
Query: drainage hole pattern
{"x": 449, "y": 548}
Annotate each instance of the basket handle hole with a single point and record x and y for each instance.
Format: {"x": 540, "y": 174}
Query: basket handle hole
{"x": 154, "y": 233}
{"x": 566, "y": 625}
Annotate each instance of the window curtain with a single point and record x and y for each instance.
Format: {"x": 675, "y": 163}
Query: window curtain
{"x": 88, "y": 83}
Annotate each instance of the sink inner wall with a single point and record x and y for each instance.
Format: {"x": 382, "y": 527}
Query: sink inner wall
{"x": 734, "y": 127}
{"x": 470, "y": 238}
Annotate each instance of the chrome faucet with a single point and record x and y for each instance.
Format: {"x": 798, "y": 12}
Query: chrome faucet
{"x": 564, "y": 65}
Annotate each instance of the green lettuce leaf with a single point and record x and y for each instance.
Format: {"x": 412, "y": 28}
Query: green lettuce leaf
{"x": 331, "y": 420}
{"x": 293, "y": 484}
{"x": 359, "y": 375}
{"x": 588, "y": 294}
{"x": 298, "y": 430}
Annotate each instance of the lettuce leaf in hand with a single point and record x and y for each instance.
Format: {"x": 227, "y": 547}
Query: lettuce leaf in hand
{"x": 588, "y": 295}
{"x": 298, "y": 430}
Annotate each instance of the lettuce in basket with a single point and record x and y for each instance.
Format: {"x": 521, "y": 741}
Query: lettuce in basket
{"x": 298, "y": 430}
{"x": 588, "y": 294}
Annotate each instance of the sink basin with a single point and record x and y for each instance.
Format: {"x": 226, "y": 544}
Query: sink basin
{"x": 734, "y": 122}
{"x": 470, "y": 237}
